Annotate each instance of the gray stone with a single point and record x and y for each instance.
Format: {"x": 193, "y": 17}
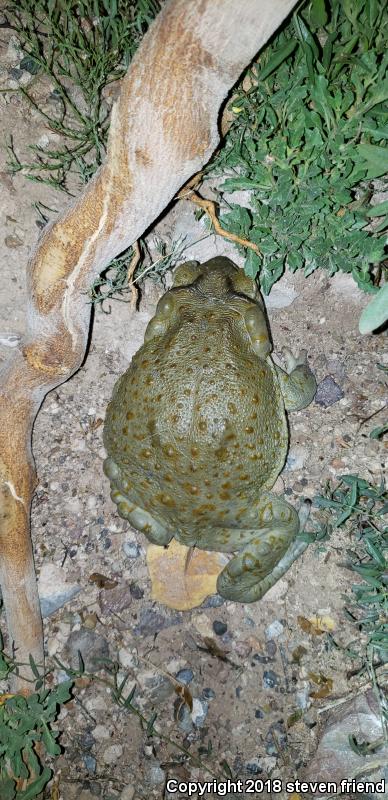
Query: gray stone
{"x": 328, "y": 392}
{"x": 219, "y": 627}
{"x": 92, "y": 647}
{"x": 112, "y": 753}
{"x": 274, "y": 630}
{"x": 131, "y": 549}
{"x": 213, "y": 602}
{"x": 152, "y": 622}
{"x": 156, "y": 775}
{"x": 185, "y": 676}
{"x": 90, "y": 763}
{"x": 270, "y": 679}
{"x": 127, "y": 793}
{"x": 199, "y": 712}
{"x": 115, "y": 600}
{"x": 53, "y": 589}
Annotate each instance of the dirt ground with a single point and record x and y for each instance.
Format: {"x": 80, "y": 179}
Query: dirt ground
{"x": 251, "y": 670}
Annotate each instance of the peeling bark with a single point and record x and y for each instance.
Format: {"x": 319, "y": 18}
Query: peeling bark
{"x": 163, "y": 130}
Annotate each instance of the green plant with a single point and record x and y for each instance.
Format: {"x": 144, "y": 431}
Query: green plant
{"x": 376, "y": 312}
{"x": 307, "y": 139}
{"x": 82, "y": 46}
{"x": 365, "y": 507}
{"x": 25, "y": 729}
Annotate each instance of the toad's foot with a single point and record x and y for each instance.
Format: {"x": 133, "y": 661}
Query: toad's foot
{"x": 267, "y": 555}
{"x": 298, "y": 383}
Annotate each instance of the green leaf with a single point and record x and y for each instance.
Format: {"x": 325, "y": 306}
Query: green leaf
{"x": 252, "y": 264}
{"x": 376, "y": 158}
{"x": 7, "y": 789}
{"x": 278, "y": 57}
{"x": 35, "y": 788}
{"x": 377, "y": 433}
{"x": 318, "y": 15}
{"x": 378, "y": 210}
{"x": 376, "y": 312}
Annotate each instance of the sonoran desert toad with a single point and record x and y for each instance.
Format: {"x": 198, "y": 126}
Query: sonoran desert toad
{"x": 196, "y": 430}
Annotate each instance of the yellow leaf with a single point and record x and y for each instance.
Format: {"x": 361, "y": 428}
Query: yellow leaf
{"x": 180, "y": 579}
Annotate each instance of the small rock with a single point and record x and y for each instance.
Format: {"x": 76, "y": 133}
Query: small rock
{"x": 184, "y": 718}
{"x": 270, "y": 679}
{"x": 53, "y": 589}
{"x": 199, "y": 712}
{"x": 208, "y": 694}
{"x": 90, "y": 763}
{"x": 115, "y": 600}
{"x": 281, "y": 296}
{"x": 185, "y": 676}
{"x": 271, "y": 648}
{"x": 156, "y": 775}
{"x": 274, "y": 630}
{"x": 157, "y": 689}
{"x": 128, "y": 658}
{"x": 302, "y": 698}
{"x": 276, "y": 739}
{"x": 92, "y": 646}
{"x": 328, "y": 392}
{"x": 215, "y": 601}
{"x": 243, "y": 649}
{"x": 219, "y": 627}
{"x": 136, "y": 592}
{"x": 131, "y": 549}
{"x": 127, "y": 793}
{"x": 259, "y": 714}
{"x": 101, "y": 732}
{"x": 253, "y": 767}
{"x": 112, "y": 753}
{"x": 296, "y": 458}
{"x": 152, "y": 622}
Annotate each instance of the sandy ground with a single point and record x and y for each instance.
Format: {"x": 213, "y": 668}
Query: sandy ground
{"x": 250, "y": 678}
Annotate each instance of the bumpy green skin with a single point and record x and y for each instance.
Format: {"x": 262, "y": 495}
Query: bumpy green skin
{"x": 196, "y": 431}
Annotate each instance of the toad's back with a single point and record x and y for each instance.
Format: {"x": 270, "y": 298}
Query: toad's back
{"x": 197, "y": 422}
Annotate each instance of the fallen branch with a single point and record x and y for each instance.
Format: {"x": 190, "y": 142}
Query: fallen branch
{"x": 163, "y": 130}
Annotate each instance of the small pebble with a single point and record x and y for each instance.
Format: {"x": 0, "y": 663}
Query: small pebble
{"x": 152, "y": 621}
{"x": 184, "y": 718}
{"x": 259, "y": 714}
{"x": 156, "y": 775}
{"x": 93, "y": 648}
{"x": 112, "y": 753}
{"x": 274, "y": 630}
{"x": 208, "y": 694}
{"x": 90, "y": 763}
{"x": 253, "y": 767}
{"x": 328, "y": 392}
{"x": 276, "y": 739}
{"x": 199, "y": 712}
{"x": 213, "y": 602}
{"x": 136, "y": 592}
{"x": 131, "y": 549}
{"x": 271, "y": 648}
{"x": 270, "y": 679}
{"x": 128, "y": 793}
{"x": 219, "y": 627}
{"x": 185, "y": 676}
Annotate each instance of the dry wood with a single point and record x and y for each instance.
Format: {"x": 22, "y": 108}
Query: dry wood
{"x": 163, "y": 130}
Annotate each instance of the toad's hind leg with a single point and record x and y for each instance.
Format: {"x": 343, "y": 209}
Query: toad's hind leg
{"x": 138, "y": 517}
{"x": 268, "y": 554}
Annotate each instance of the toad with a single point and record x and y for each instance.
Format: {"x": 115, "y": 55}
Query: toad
{"x": 196, "y": 430}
